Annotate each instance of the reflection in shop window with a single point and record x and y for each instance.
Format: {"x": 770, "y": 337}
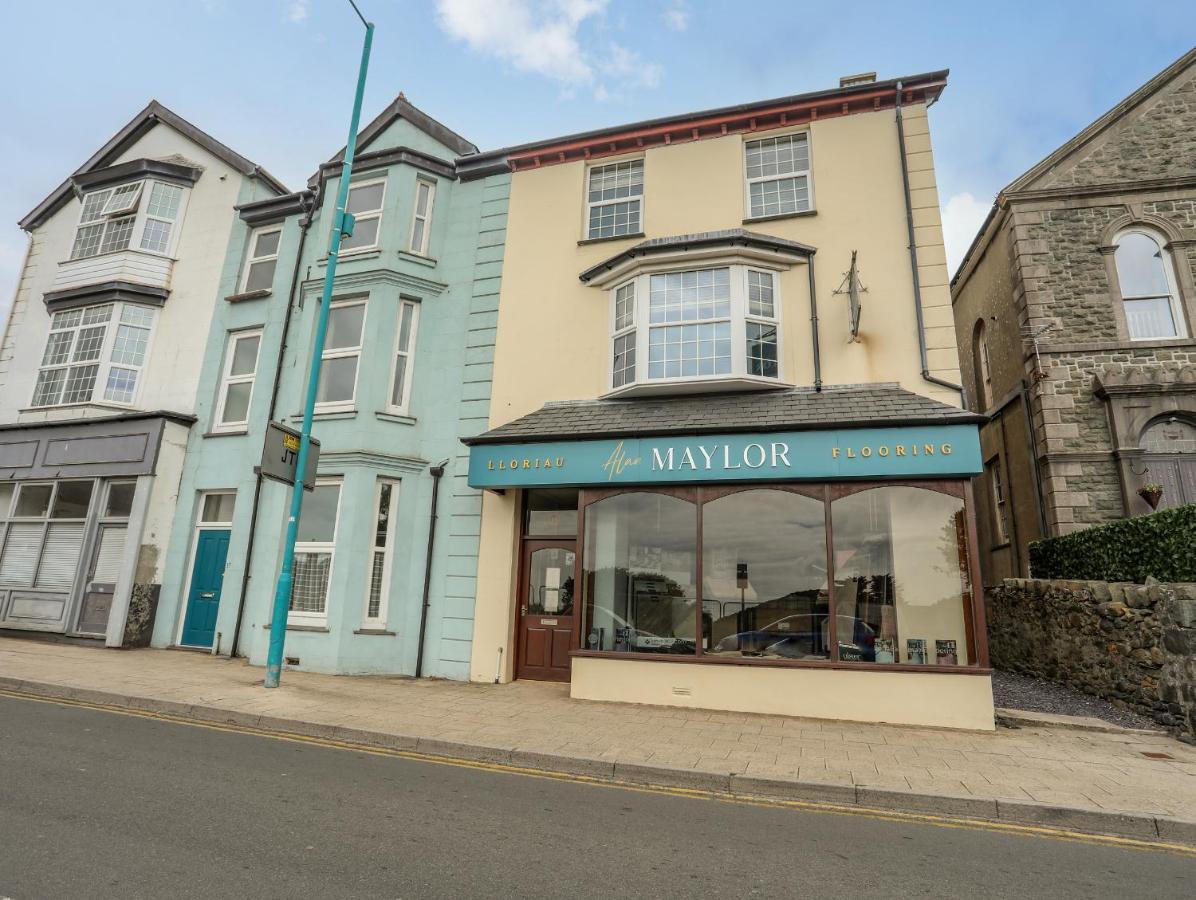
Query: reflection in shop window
{"x": 901, "y": 576}
{"x": 764, "y": 584}
{"x": 640, "y": 579}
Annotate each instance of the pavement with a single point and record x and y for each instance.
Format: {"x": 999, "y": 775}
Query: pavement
{"x": 1113, "y": 781}
{"x": 98, "y": 804}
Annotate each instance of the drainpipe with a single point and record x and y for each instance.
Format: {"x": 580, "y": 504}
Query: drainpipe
{"x": 436, "y": 472}
{"x": 913, "y": 254}
{"x": 304, "y": 226}
{"x": 814, "y": 325}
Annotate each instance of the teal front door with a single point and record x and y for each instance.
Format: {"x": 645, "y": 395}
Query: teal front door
{"x": 207, "y": 576}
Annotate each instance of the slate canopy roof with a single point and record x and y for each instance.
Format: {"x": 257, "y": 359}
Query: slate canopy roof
{"x": 794, "y": 409}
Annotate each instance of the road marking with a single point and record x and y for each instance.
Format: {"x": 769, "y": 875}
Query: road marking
{"x": 962, "y": 822}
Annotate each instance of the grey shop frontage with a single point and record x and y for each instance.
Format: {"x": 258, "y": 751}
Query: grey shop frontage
{"x": 85, "y": 507}
{"x": 785, "y": 561}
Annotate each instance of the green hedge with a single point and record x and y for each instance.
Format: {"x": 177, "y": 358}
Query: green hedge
{"x": 1162, "y": 545}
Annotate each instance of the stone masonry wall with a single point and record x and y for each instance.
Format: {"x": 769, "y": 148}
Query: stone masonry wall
{"x": 1133, "y": 644}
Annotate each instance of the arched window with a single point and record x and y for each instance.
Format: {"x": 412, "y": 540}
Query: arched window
{"x": 1148, "y": 287}
{"x": 984, "y": 393}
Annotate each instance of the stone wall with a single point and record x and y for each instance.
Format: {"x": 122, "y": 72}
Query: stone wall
{"x": 1130, "y": 643}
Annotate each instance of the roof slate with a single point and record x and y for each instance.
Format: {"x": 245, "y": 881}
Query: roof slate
{"x": 794, "y": 409}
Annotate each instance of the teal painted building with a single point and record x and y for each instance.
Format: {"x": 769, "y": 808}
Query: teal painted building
{"x": 406, "y": 373}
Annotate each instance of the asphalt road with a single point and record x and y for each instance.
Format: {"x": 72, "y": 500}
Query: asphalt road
{"x": 98, "y": 804}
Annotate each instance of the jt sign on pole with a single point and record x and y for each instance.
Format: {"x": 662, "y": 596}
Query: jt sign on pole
{"x": 280, "y": 456}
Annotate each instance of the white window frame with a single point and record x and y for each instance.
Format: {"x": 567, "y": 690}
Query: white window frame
{"x": 250, "y": 259}
{"x": 367, "y": 216}
{"x": 1177, "y": 310}
{"x": 136, "y": 207}
{"x": 329, "y": 547}
{"x": 426, "y": 218}
{"x": 387, "y": 550}
{"x": 748, "y": 181}
{"x": 641, "y": 198}
{"x": 104, "y": 361}
{"x": 738, "y": 319}
{"x": 406, "y": 353}
{"x": 227, "y": 379}
{"x": 344, "y": 352}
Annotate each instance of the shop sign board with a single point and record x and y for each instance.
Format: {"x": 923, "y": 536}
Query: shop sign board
{"x": 923, "y": 451}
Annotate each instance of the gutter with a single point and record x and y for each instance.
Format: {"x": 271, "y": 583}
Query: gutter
{"x": 436, "y": 472}
{"x": 310, "y": 204}
{"x": 913, "y": 254}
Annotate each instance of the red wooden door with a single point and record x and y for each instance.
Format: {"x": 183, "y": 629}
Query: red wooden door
{"x": 546, "y": 625}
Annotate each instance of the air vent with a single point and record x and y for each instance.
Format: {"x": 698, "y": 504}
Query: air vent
{"x": 292, "y": 660}
{"x": 853, "y": 80}
{"x": 682, "y": 691}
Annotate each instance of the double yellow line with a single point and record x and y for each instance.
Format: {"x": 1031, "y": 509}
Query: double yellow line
{"x": 1042, "y": 831}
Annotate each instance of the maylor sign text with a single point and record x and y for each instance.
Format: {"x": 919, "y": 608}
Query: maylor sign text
{"x": 922, "y": 451}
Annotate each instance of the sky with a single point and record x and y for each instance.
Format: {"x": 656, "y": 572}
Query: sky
{"x": 274, "y": 78}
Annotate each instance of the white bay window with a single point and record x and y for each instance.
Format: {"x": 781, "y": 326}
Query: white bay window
{"x": 386, "y": 509}
{"x": 342, "y": 352}
{"x": 315, "y": 549}
{"x": 139, "y": 215}
{"x": 94, "y": 353}
{"x": 400, "y": 382}
{"x": 712, "y": 324}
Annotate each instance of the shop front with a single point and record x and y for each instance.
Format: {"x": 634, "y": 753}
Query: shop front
{"x": 819, "y": 567}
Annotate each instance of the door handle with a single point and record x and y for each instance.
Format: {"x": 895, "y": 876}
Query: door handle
{"x": 523, "y": 610}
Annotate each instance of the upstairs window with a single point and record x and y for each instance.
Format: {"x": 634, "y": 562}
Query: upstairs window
{"x": 115, "y": 219}
{"x": 984, "y": 384}
{"x": 236, "y": 382}
{"x": 315, "y": 547}
{"x": 1146, "y": 277}
{"x": 400, "y": 382}
{"x": 421, "y": 218}
{"x": 342, "y": 350}
{"x": 95, "y": 353}
{"x": 715, "y": 323}
{"x": 263, "y": 259}
{"x": 365, "y": 203}
{"x": 778, "y": 176}
{"x": 614, "y": 199}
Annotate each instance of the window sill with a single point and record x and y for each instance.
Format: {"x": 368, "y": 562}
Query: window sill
{"x": 102, "y": 405}
{"x": 418, "y": 258}
{"x": 708, "y": 660}
{"x": 248, "y": 295}
{"x": 238, "y": 432}
{"x": 397, "y": 418}
{"x": 331, "y": 414}
{"x": 381, "y": 632}
{"x": 793, "y": 215}
{"x": 315, "y": 629}
{"x": 346, "y": 255}
{"x": 708, "y": 385}
{"x": 604, "y": 240}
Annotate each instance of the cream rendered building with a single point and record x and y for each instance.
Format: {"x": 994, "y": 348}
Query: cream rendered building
{"x": 99, "y": 366}
{"x": 724, "y": 404}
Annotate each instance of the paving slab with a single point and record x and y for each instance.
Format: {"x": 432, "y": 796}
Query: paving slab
{"x": 1041, "y": 772}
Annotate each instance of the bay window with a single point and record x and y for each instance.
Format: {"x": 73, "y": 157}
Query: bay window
{"x": 386, "y": 510}
{"x": 421, "y": 217}
{"x": 141, "y": 214}
{"x": 315, "y": 548}
{"x": 701, "y": 324}
{"x": 365, "y": 203}
{"x": 342, "y": 351}
{"x": 400, "y": 382}
{"x": 94, "y": 353}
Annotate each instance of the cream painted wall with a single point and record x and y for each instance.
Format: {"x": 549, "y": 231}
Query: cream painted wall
{"x": 180, "y": 333}
{"x": 894, "y": 698}
{"x": 553, "y": 331}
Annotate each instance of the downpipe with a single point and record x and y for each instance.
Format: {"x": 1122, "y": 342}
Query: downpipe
{"x": 913, "y": 254}
{"x": 436, "y": 472}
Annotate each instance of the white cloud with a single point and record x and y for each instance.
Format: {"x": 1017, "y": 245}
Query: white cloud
{"x": 544, "y": 37}
{"x": 676, "y": 17}
{"x": 297, "y": 11}
{"x": 963, "y": 215}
